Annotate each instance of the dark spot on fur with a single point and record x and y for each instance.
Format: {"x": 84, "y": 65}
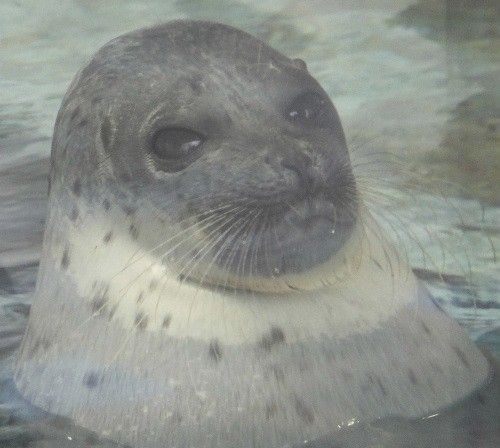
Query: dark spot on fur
{"x": 214, "y": 350}
{"x": 91, "y": 380}
{"x": 276, "y": 336}
{"x": 381, "y": 386}
{"x": 195, "y": 83}
{"x": 59, "y": 423}
{"x": 106, "y": 204}
{"x": 83, "y": 122}
{"x": 376, "y": 263}
{"x": 96, "y": 100}
{"x": 74, "y": 214}
{"x": 303, "y": 411}
{"x": 228, "y": 121}
{"x": 141, "y": 321}
{"x": 134, "y": 232}
{"x": 153, "y": 284}
{"x": 128, "y": 209}
{"x": 107, "y": 237}
{"x": 125, "y": 177}
{"x": 425, "y": 328}
{"x": 166, "y": 321}
{"x": 271, "y": 410}
{"x": 65, "y": 259}
{"x": 106, "y": 134}
{"x": 461, "y": 355}
{"x": 140, "y": 298}
{"x": 6, "y": 282}
{"x": 412, "y": 377}
{"x": 44, "y": 343}
{"x": 98, "y": 304}
{"x": 480, "y": 398}
{"x": 300, "y": 64}
{"x": 74, "y": 114}
{"x": 293, "y": 288}
{"x": 77, "y": 187}
{"x": 91, "y": 440}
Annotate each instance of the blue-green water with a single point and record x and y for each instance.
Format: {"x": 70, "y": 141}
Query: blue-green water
{"x": 416, "y": 81}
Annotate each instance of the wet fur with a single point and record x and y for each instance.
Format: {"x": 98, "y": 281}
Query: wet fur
{"x": 297, "y": 365}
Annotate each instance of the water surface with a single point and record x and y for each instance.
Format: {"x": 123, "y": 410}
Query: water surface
{"x": 416, "y": 86}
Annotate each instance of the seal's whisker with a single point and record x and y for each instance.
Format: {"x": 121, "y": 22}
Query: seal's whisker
{"x": 400, "y": 241}
{"x": 225, "y": 241}
{"x": 426, "y": 256}
{"x": 144, "y": 253}
{"x": 213, "y": 258}
{"x": 173, "y": 248}
{"x": 231, "y": 255}
{"x": 233, "y": 221}
{"x": 220, "y": 224}
{"x": 240, "y": 270}
{"x": 385, "y": 247}
{"x": 163, "y": 255}
{"x": 232, "y": 247}
{"x": 138, "y": 323}
{"x": 220, "y": 250}
{"x": 377, "y": 194}
{"x": 207, "y": 222}
{"x": 180, "y": 274}
{"x": 256, "y": 245}
{"x": 246, "y": 231}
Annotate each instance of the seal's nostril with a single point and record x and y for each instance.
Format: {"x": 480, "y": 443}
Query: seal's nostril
{"x": 301, "y": 164}
{"x": 298, "y": 163}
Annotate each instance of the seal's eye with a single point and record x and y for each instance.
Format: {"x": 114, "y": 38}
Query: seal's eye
{"x": 310, "y": 109}
{"x": 176, "y": 148}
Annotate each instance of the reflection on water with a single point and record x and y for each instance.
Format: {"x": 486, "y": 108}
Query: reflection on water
{"x": 415, "y": 83}
{"x": 469, "y": 151}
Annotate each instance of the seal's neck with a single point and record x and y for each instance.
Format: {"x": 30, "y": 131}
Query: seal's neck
{"x": 103, "y": 253}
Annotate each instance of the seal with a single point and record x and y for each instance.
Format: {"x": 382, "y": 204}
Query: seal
{"x": 210, "y": 274}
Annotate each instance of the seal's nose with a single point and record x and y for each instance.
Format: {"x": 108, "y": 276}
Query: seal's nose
{"x": 301, "y": 164}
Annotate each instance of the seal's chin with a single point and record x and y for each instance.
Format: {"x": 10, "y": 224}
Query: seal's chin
{"x": 282, "y": 239}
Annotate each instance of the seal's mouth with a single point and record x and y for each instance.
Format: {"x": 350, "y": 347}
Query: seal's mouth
{"x": 264, "y": 239}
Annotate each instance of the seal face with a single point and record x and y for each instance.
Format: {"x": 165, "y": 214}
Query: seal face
{"x": 210, "y": 276}
{"x": 230, "y": 137}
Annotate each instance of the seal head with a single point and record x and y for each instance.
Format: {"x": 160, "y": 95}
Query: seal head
{"x": 210, "y": 276}
{"x": 219, "y": 132}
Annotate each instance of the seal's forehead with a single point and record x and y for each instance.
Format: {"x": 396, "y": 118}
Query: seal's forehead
{"x": 197, "y": 39}
{"x": 174, "y": 47}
